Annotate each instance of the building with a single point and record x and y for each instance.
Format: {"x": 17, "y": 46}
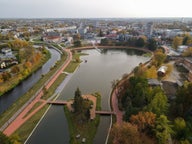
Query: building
{"x": 52, "y": 37}
{"x": 162, "y": 71}
{"x": 7, "y": 51}
{"x": 149, "y": 29}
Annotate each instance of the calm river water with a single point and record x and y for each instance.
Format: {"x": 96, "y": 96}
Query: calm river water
{"x": 94, "y": 76}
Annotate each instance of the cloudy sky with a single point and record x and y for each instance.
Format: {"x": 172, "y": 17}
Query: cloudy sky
{"x": 94, "y": 8}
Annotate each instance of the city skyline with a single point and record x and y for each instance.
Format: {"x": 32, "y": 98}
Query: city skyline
{"x": 93, "y": 8}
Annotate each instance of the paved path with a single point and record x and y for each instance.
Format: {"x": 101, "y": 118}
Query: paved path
{"x": 20, "y": 119}
{"x": 118, "y": 113}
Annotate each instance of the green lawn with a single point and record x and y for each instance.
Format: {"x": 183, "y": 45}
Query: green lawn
{"x": 74, "y": 63}
{"x": 24, "y": 131}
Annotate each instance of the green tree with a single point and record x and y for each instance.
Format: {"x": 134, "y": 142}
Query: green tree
{"x": 101, "y": 33}
{"x": 78, "y": 102}
{"x": 184, "y": 100}
{"x": 163, "y": 129}
{"x": 159, "y": 104}
{"x": 177, "y": 41}
{"x": 152, "y": 44}
{"x": 77, "y": 43}
{"x": 4, "y": 139}
{"x": 140, "y": 42}
{"x": 180, "y": 129}
{"x": 187, "y": 40}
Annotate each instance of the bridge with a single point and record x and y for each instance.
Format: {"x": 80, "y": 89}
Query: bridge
{"x": 57, "y": 102}
{"x": 96, "y": 47}
{"x": 105, "y": 112}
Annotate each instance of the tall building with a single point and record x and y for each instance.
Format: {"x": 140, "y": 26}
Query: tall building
{"x": 149, "y": 29}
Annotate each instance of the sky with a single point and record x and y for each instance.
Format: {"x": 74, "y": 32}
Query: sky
{"x": 94, "y": 8}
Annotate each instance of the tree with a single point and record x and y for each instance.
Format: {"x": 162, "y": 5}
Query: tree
{"x": 159, "y": 104}
{"x": 15, "y": 69}
{"x": 77, "y": 43}
{"x": 151, "y": 72}
{"x": 4, "y": 139}
{"x": 159, "y": 57}
{"x": 187, "y": 40}
{"x": 140, "y": 42}
{"x": 125, "y": 133}
{"x": 163, "y": 129}
{"x": 177, "y": 41}
{"x": 180, "y": 129}
{"x": 145, "y": 121}
{"x": 187, "y": 52}
{"x": 6, "y": 76}
{"x": 101, "y": 33}
{"x": 152, "y": 44}
{"x": 78, "y": 101}
{"x": 184, "y": 100}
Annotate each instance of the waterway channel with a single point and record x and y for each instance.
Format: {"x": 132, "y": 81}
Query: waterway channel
{"x": 95, "y": 75}
{"x": 9, "y": 98}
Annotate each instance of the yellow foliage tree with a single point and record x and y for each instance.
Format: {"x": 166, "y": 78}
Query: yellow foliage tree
{"x": 151, "y": 72}
{"x": 177, "y": 41}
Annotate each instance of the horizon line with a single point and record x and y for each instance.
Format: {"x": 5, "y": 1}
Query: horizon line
{"x": 94, "y": 17}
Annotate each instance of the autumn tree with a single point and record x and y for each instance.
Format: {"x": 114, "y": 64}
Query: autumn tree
{"x": 159, "y": 58}
{"x": 151, "y": 72}
{"x": 177, "y": 41}
{"x": 6, "y": 76}
{"x": 145, "y": 121}
{"x": 15, "y": 69}
{"x": 187, "y": 52}
{"x": 125, "y": 133}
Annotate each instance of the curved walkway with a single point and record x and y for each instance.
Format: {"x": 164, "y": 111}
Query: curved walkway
{"x": 20, "y": 119}
{"x": 109, "y": 47}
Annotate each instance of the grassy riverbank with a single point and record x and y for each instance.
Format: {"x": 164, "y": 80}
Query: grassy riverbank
{"x": 23, "y": 99}
{"x": 86, "y": 130}
{"x": 75, "y": 62}
{"x": 25, "y": 130}
{"x": 18, "y": 78}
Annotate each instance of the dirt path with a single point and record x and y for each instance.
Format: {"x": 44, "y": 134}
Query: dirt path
{"x": 20, "y": 119}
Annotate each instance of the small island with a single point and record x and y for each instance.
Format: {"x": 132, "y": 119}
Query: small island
{"x": 81, "y": 116}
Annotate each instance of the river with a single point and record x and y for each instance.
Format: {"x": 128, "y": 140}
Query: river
{"x": 9, "y": 98}
{"x": 95, "y": 75}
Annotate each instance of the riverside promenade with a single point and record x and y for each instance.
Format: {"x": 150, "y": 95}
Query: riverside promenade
{"x": 22, "y": 117}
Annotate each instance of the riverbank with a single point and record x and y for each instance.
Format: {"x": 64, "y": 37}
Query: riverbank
{"x": 18, "y": 78}
{"x": 19, "y": 119}
{"x": 5, "y": 116}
